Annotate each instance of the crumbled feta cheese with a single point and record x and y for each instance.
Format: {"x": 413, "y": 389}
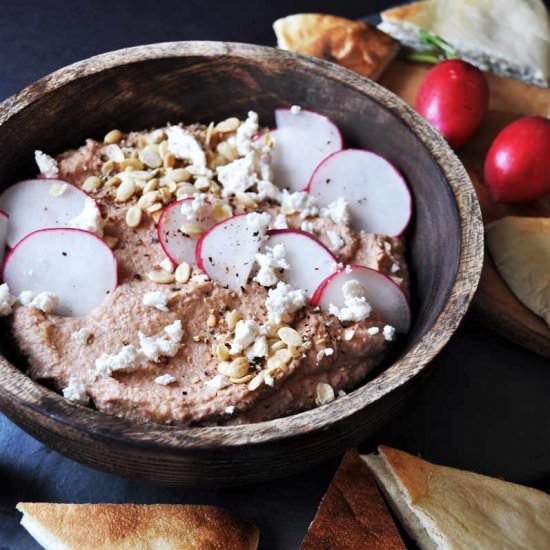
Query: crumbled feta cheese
{"x": 166, "y": 343}
{"x": 341, "y": 393}
{"x": 257, "y": 349}
{"x": 269, "y": 380}
{"x": 127, "y": 359}
{"x": 325, "y": 352}
{"x": 280, "y": 222}
{"x": 165, "y": 379}
{"x": 46, "y": 164}
{"x": 44, "y": 301}
{"x": 337, "y": 211}
{"x": 82, "y": 336}
{"x": 183, "y": 145}
{"x": 246, "y": 132}
{"x": 348, "y": 269}
{"x": 156, "y": 299}
{"x": 389, "y": 333}
{"x": 356, "y": 307}
{"x": 295, "y": 109}
{"x": 258, "y": 222}
{"x": 218, "y": 382}
{"x": 89, "y": 219}
{"x": 199, "y": 278}
{"x": 373, "y": 331}
{"x": 272, "y": 261}
{"x": 76, "y": 391}
{"x": 324, "y": 394}
{"x": 335, "y": 241}
{"x": 245, "y": 334}
{"x": 202, "y": 183}
{"x": 195, "y": 208}
{"x": 299, "y": 201}
{"x": 238, "y": 176}
{"x": 266, "y": 189}
{"x": 308, "y": 226}
{"x": 349, "y": 334}
{"x": 282, "y": 301}
{"x": 230, "y": 410}
{"x": 395, "y": 268}
{"x": 6, "y": 300}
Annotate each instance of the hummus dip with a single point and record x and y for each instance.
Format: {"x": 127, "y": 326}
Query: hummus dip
{"x": 172, "y": 346}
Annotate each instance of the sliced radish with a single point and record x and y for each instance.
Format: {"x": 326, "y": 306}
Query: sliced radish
{"x": 384, "y": 296}
{"x": 32, "y": 206}
{"x": 74, "y": 264}
{"x": 178, "y": 246}
{"x": 379, "y": 198}
{"x": 310, "y": 261}
{"x": 4, "y": 218}
{"x": 302, "y": 140}
{"x": 227, "y": 251}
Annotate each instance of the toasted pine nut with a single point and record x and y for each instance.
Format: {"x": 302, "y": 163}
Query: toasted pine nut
{"x": 183, "y": 273}
{"x": 114, "y": 136}
{"x": 133, "y": 216}
{"x": 91, "y": 183}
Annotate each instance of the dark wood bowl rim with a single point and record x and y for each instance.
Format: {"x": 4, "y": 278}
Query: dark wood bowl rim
{"x": 21, "y": 392}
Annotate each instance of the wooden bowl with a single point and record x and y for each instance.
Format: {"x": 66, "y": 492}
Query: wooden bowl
{"x": 202, "y": 81}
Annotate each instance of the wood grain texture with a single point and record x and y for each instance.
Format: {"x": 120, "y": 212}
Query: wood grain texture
{"x": 494, "y": 304}
{"x": 149, "y": 85}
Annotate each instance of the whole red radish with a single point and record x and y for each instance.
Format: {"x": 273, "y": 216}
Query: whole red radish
{"x": 517, "y": 166}
{"x": 454, "y": 98}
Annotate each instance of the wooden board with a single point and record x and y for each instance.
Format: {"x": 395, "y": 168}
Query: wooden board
{"x": 495, "y": 304}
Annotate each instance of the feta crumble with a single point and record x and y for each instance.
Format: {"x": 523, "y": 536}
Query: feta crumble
{"x": 280, "y": 222}
{"x": 271, "y": 262}
{"x": 164, "y": 344}
{"x": 183, "y": 145}
{"x": 373, "y": 331}
{"x": 76, "y": 391}
{"x": 335, "y": 241}
{"x": 165, "y": 379}
{"x": 89, "y": 219}
{"x": 44, "y": 301}
{"x": 307, "y": 226}
{"x": 82, "y": 336}
{"x": 337, "y": 211}
{"x": 269, "y": 380}
{"x": 230, "y": 410}
{"x": 127, "y": 359}
{"x": 6, "y": 300}
{"x": 258, "y": 349}
{"x": 325, "y": 352}
{"x": 282, "y": 301}
{"x": 299, "y": 202}
{"x": 258, "y": 222}
{"x": 246, "y": 132}
{"x": 395, "y": 268}
{"x": 388, "y": 332}
{"x": 46, "y": 164}
{"x": 295, "y": 109}
{"x": 356, "y": 308}
{"x": 238, "y": 176}
{"x": 245, "y": 334}
{"x": 156, "y": 299}
{"x": 218, "y": 382}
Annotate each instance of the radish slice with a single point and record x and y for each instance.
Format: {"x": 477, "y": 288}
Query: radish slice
{"x": 309, "y": 260}
{"x": 74, "y": 264}
{"x": 378, "y": 197}
{"x": 31, "y": 206}
{"x": 302, "y": 140}
{"x": 4, "y": 218}
{"x": 227, "y": 251}
{"x": 385, "y": 297}
{"x": 180, "y": 247}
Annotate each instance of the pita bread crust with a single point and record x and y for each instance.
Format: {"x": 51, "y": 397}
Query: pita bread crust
{"x": 467, "y": 510}
{"x": 352, "y": 514}
{"x": 352, "y": 44}
{"x": 520, "y": 248}
{"x": 136, "y": 527}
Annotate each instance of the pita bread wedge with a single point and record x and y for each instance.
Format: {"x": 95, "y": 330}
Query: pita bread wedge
{"x": 352, "y": 514}
{"x": 444, "y": 508}
{"x": 509, "y": 37}
{"x": 520, "y": 248}
{"x": 135, "y": 527}
{"x": 352, "y": 44}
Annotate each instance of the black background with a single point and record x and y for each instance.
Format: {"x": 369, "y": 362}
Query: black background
{"x": 486, "y": 407}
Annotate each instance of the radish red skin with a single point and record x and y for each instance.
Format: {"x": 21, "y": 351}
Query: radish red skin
{"x": 517, "y": 166}
{"x": 454, "y": 98}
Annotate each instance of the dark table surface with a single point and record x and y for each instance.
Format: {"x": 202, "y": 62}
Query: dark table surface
{"x": 486, "y": 407}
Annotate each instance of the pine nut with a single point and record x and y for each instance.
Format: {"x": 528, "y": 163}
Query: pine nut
{"x": 133, "y": 216}
{"x": 150, "y": 156}
{"x": 256, "y": 382}
{"x": 227, "y": 125}
{"x": 160, "y": 277}
{"x": 290, "y": 337}
{"x": 232, "y": 318}
{"x": 212, "y": 320}
{"x": 183, "y": 273}
{"x": 91, "y": 183}
{"x": 114, "y": 136}
{"x": 125, "y": 190}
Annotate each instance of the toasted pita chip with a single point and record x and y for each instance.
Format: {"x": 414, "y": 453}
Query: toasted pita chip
{"x": 135, "y": 527}
{"x": 520, "y": 248}
{"x": 445, "y": 508}
{"x": 352, "y": 514}
{"x": 507, "y": 37}
{"x": 352, "y": 44}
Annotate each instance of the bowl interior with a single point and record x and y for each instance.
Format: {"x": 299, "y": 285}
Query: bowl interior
{"x": 151, "y": 92}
